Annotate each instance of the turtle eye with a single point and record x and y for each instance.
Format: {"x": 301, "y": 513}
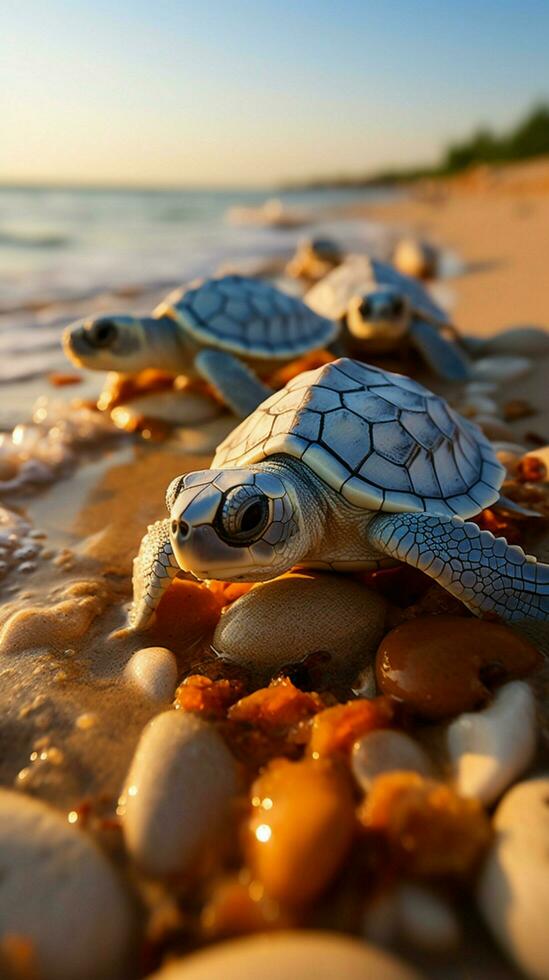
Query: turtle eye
{"x": 398, "y": 305}
{"x": 244, "y": 515}
{"x": 104, "y": 333}
{"x": 365, "y": 309}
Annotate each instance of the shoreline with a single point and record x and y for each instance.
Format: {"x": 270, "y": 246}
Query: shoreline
{"x": 499, "y": 226}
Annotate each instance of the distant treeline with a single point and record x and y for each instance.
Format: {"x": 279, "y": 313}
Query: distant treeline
{"x": 530, "y": 138}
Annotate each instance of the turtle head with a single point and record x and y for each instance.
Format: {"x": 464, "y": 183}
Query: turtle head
{"x": 109, "y": 343}
{"x": 238, "y": 525}
{"x": 383, "y": 313}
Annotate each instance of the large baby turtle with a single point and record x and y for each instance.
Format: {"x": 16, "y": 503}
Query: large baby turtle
{"x": 216, "y": 329}
{"x": 383, "y": 310}
{"x": 347, "y": 467}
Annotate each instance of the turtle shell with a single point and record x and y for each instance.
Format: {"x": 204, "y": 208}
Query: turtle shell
{"x": 382, "y": 440}
{"x": 359, "y": 274}
{"x": 248, "y": 317}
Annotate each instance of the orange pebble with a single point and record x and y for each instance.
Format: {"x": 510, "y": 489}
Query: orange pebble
{"x": 531, "y": 469}
{"x": 336, "y": 729}
{"x": 440, "y": 666}
{"x": 301, "y": 828}
{"x": 207, "y": 697}
{"x": 186, "y": 612}
{"x": 308, "y": 362}
{"x": 228, "y": 592}
{"x": 238, "y": 907}
{"x": 60, "y": 380}
{"x": 429, "y": 828}
{"x": 276, "y": 707}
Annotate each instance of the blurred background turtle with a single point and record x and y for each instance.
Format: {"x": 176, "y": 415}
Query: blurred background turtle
{"x": 384, "y": 312}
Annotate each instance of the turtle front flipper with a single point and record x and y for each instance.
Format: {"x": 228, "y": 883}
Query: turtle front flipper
{"x": 486, "y": 573}
{"x": 153, "y": 570}
{"x": 442, "y": 356}
{"x": 236, "y": 385}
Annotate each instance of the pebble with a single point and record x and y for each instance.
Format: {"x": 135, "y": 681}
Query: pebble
{"x": 509, "y": 455}
{"x": 58, "y": 891}
{"x": 518, "y": 340}
{"x": 154, "y": 671}
{"x": 385, "y": 750}
{"x": 439, "y": 666}
{"x": 534, "y": 465}
{"x": 425, "y": 920}
{"x": 482, "y": 388}
{"x": 513, "y": 889}
{"x": 173, "y": 407}
{"x": 299, "y": 955}
{"x": 489, "y": 749}
{"x": 283, "y": 621}
{"x": 500, "y": 369}
{"x": 476, "y": 405}
{"x": 494, "y": 428}
{"x": 179, "y": 786}
{"x": 297, "y": 808}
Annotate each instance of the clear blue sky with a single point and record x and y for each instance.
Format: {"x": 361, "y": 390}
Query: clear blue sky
{"x": 227, "y": 92}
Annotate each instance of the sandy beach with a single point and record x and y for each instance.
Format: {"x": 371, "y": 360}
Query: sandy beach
{"x": 498, "y": 223}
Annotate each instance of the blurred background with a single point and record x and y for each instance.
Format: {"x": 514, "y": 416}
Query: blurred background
{"x": 140, "y": 144}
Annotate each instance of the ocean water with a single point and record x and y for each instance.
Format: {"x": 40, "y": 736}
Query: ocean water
{"x": 65, "y": 252}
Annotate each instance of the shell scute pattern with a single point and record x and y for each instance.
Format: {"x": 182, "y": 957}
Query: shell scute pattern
{"x": 394, "y": 443}
{"x": 250, "y": 317}
{"x": 375, "y": 408}
{"x": 347, "y": 434}
{"x": 424, "y": 457}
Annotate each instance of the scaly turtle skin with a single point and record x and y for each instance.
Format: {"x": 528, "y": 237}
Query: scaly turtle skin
{"x": 382, "y": 309}
{"x": 225, "y": 330}
{"x": 347, "y": 467}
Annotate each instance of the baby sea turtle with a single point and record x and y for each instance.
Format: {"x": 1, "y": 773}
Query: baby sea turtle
{"x": 217, "y": 329}
{"x": 347, "y": 467}
{"x": 382, "y": 309}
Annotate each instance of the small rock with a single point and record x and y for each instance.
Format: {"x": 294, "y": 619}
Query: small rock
{"x": 296, "y": 808}
{"x": 478, "y": 405}
{"x": 154, "y": 671}
{"x": 516, "y": 409}
{"x": 509, "y": 455}
{"x": 297, "y": 955}
{"x": 513, "y": 890}
{"x": 284, "y": 621}
{"x": 440, "y": 666}
{"x": 534, "y": 465}
{"x": 385, "y": 750}
{"x": 177, "y": 791}
{"x": 500, "y": 369}
{"x": 482, "y": 388}
{"x": 488, "y": 749}
{"x": 58, "y": 891}
{"x": 174, "y": 407}
{"x": 380, "y": 924}
{"x": 518, "y": 340}
{"x": 494, "y": 428}
{"x": 426, "y": 920}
